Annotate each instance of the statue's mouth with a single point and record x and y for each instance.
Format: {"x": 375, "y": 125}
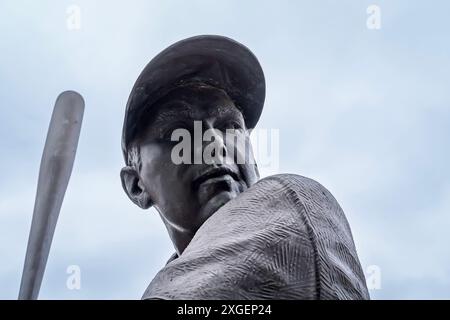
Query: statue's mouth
{"x": 214, "y": 173}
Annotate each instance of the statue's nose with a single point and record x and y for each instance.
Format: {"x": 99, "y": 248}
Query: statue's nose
{"x": 213, "y": 148}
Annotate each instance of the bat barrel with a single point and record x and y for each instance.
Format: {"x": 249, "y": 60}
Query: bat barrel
{"x": 54, "y": 174}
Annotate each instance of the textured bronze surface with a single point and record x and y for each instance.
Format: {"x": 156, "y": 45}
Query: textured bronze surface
{"x": 284, "y": 238}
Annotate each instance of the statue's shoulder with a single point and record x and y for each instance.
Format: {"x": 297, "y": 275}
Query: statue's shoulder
{"x": 295, "y": 182}
{"x": 305, "y": 193}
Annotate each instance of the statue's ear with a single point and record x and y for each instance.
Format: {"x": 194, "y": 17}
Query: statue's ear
{"x": 134, "y": 188}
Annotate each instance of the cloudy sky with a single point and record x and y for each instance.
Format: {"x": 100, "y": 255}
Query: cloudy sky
{"x": 365, "y": 112}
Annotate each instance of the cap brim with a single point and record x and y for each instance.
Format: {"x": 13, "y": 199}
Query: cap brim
{"x": 211, "y": 59}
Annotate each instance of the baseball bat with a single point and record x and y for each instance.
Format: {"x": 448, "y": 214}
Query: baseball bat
{"x": 54, "y": 174}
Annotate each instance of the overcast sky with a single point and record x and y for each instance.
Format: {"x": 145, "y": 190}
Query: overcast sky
{"x": 364, "y": 112}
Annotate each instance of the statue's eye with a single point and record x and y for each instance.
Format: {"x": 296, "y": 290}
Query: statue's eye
{"x": 232, "y": 124}
{"x": 166, "y": 133}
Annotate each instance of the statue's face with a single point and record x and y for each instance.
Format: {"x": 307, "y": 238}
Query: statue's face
{"x": 187, "y": 194}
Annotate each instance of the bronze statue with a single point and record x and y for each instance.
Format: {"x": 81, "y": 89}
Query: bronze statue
{"x": 282, "y": 237}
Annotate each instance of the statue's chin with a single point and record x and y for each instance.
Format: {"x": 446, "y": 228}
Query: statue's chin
{"x": 214, "y": 193}
{"x": 214, "y": 203}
